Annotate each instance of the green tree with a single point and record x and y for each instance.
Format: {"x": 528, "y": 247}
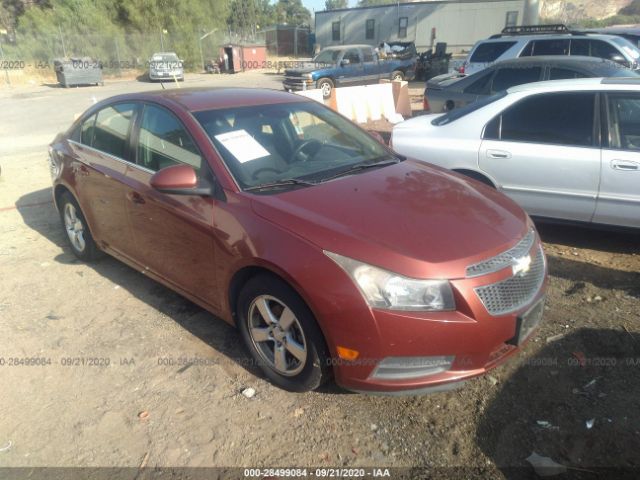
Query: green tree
{"x": 335, "y": 4}
{"x": 292, "y": 12}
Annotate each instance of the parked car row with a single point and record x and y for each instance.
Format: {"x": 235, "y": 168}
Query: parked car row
{"x": 563, "y": 150}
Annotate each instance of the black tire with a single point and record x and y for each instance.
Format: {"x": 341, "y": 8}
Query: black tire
{"x": 314, "y": 371}
{"x": 326, "y": 85}
{"x": 397, "y": 75}
{"x": 90, "y": 251}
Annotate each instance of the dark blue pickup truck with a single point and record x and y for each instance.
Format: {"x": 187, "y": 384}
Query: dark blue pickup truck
{"x": 348, "y": 65}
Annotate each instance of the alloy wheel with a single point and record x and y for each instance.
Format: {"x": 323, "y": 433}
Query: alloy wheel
{"x": 74, "y": 227}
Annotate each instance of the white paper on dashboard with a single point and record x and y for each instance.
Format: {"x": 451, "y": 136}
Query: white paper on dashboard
{"x": 242, "y": 145}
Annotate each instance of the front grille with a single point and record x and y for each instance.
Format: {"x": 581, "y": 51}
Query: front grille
{"x": 515, "y": 292}
{"x": 504, "y": 259}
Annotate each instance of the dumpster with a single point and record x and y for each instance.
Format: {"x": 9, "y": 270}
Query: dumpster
{"x": 78, "y": 71}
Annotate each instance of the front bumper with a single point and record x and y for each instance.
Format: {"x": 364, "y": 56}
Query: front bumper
{"x": 298, "y": 84}
{"x": 471, "y": 337}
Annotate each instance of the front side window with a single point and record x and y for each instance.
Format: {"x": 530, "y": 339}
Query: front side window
{"x": 624, "y": 123}
{"x": 370, "y": 28}
{"x": 490, "y": 51}
{"x": 403, "y": 23}
{"x": 558, "y": 118}
{"x": 509, "y": 77}
{"x": 307, "y": 142}
{"x": 335, "y": 31}
{"x": 164, "y": 141}
{"x": 557, "y": 73}
{"x": 328, "y": 56}
{"x": 111, "y": 130}
{"x": 602, "y": 49}
{"x": 352, "y": 55}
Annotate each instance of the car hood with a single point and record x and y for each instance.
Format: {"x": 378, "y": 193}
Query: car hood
{"x": 411, "y": 218}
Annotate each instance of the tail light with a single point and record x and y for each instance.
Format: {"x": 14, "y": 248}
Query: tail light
{"x": 425, "y": 104}
{"x": 462, "y": 67}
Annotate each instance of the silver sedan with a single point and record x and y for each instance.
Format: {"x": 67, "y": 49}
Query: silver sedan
{"x": 567, "y": 149}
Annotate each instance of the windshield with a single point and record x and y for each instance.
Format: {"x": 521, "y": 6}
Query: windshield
{"x": 457, "y": 113}
{"x": 327, "y": 56}
{"x": 301, "y": 141}
{"x": 627, "y": 46}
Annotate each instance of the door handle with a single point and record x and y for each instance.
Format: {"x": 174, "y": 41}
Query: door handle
{"x": 498, "y": 154}
{"x": 625, "y": 165}
{"x": 135, "y": 197}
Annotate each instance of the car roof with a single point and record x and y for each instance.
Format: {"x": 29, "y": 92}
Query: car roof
{"x": 578, "y": 84}
{"x": 343, "y": 47}
{"x": 213, "y": 98}
{"x": 568, "y": 60}
{"x": 554, "y": 36}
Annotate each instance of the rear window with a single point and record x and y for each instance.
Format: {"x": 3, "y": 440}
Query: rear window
{"x": 508, "y": 77}
{"x": 458, "y": 113}
{"x": 490, "y": 52}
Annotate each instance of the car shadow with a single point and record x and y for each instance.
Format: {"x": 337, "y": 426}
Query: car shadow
{"x": 586, "y": 236}
{"x": 577, "y": 402}
{"x": 39, "y": 213}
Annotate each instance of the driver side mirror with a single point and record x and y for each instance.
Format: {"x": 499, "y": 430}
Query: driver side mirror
{"x": 179, "y": 180}
{"x": 344, "y": 62}
{"x": 616, "y": 57}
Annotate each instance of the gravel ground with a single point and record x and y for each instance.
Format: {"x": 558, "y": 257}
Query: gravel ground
{"x": 132, "y": 374}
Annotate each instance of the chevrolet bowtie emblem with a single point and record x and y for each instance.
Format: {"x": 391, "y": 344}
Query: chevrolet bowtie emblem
{"x": 521, "y": 265}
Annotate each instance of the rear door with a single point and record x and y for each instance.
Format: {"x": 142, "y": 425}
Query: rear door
{"x": 542, "y": 152}
{"x": 172, "y": 233}
{"x": 619, "y": 198}
{"x": 103, "y": 152}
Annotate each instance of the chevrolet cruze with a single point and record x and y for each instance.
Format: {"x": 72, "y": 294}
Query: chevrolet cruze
{"x": 332, "y": 254}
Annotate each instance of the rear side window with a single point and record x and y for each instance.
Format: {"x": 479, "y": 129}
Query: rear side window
{"x": 457, "y": 113}
{"x": 490, "y": 51}
{"x": 352, "y": 55}
{"x": 550, "y": 47}
{"x": 580, "y": 46}
{"x": 509, "y": 77}
{"x": 86, "y": 130}
{"x": 556, "y": 73}
{"x": 558, "y": 118}
{"x": 112, "y": 129}
{"x": 367, "y": 55}
{"x": 481, "y": 85}
{"x": 624, "y": 121}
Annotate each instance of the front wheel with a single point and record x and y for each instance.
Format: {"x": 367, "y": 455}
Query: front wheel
{"x": 397, "y": 76}
{"x": 326, "y": 85}
{"x": 282, "y": 335}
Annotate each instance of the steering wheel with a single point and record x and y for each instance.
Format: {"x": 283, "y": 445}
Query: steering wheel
{"x": 256, "y": 173}
{"x": 304, "y": 145}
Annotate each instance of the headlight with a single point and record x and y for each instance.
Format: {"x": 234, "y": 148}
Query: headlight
{"x": 384, "y": 289}
{"x": 308, "y": 76}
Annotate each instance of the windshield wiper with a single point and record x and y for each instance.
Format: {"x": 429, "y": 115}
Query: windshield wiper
{"x": 362, "y": 166}
{"x": 280, "y": 183}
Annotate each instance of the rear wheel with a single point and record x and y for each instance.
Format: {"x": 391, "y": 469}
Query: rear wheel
{"x": 281, "y": 334}
{"x": 75, "y": 225}
{"x": 397, "y": 75}
{"x": 326, "y": 85}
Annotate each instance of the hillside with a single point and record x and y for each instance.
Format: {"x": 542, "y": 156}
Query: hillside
{"x": 573, "y": 11}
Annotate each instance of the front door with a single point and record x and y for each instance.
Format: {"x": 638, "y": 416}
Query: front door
{"x": 619, "y": 198}
{"x": 543, "y": 153}
{"x": 350, "y": 69}
{"x": 173, "y": 233}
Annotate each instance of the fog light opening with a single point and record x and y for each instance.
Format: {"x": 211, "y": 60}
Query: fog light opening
{"x": 401, "y": 368}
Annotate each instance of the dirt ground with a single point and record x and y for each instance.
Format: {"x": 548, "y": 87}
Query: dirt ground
{"x": 100, "y": 366}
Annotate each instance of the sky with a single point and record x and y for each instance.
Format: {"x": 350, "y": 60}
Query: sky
{"x": 318, "y": 5}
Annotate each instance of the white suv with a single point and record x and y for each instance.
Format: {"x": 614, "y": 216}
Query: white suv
{"x": 514, "y": 43}
{"x": 564, "y": 149}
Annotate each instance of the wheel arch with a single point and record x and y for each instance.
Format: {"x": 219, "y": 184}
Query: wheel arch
{"x": 476, "y": 175}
